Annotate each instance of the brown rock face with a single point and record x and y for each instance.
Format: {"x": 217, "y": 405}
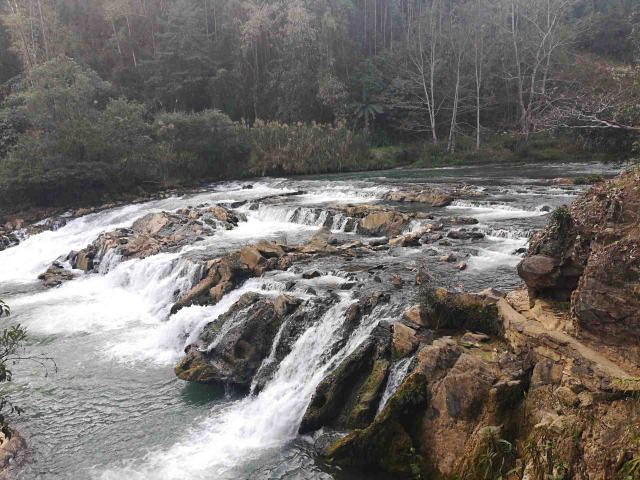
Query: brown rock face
{"x": 249, "y": 329}
{"x": 155, "y": 233}
{"x": 389, "y": 223}
{"x": 591, "y": 255}
{"x": 434, "y": 197}
{"x": 404, "y": 340}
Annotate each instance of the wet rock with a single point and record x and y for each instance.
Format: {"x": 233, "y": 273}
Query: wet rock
{"x": 8, "y": 240}
{"x": 311, "y": 274}
{"x": 294, "y": 326}
{"x": 388, "y": 444}
{"x": 449, "y": 258}
{"x": 55, "y": 275}
{"x": 414, "y": 316}
{"x": 376, "y": 242}
{"x": 461, "y": 311}
{"x": 389, "y": 223}
{"x": 430, "y": 238}
{"x": 463, "y": 234}
{"x": 349, "y": 395}
{"x": 234, "y": 346}
{"x": 408, "y": 240}
{"x": 461, "y": 266}
{"x": 460, "y": 221}
{"x": 432, "y": 196}
{"x": 322, "y": 443}
{"x": 155, "y": 233}
{"x": 396, "y": 281}
{"x": 562, "y": 181}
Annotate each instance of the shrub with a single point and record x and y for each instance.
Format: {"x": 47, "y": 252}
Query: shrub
{"x": 205, "y": 145}
{"x": 279, "y": 148}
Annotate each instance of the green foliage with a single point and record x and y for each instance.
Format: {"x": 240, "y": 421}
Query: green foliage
{"x": 630, "y": 469}
{"x": 494, "y": 457}
{"x": 203, "y": 145}
{"x": 12, "y": 341}
{"x": 67, "y": 140}
{"x": 278, "y": 148}
{"x": 12, "y": 125}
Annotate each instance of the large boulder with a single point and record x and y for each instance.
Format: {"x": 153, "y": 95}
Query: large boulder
{"x": 387, "y": 223}
{"x": 295, "y": 325}
{"x": 431, "y": 196}
{"x": 231, "y": 349}
{"x": 446, "y": 310}
{"x": 389, "y": 443}
{"x": 590, "y": 255}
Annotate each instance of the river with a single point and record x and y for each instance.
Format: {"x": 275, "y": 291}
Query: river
{"x": 114, "y": 408}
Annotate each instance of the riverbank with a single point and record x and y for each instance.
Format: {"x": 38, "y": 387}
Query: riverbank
{"x": 157, "y": 283}
{"x": 510, "y": 385}
{"x": 13, "y": 451}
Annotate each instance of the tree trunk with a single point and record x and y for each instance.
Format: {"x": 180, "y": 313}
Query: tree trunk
{"x": 451, "y": 147}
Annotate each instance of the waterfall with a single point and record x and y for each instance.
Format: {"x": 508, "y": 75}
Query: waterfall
{"x": 300, "y": 215}
{"x": 397, "y": 374}
{"x": 234, "y": 434}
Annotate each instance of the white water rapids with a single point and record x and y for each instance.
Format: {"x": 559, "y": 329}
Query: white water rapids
{"x": 115, "y": 410}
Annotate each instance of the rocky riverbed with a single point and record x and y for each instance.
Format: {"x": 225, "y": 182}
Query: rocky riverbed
{"x": 324, "y": 328}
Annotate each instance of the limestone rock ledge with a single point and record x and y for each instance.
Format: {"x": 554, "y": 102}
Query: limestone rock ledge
{"x": 519, "y": 403}
{"x": 12, "y": 452}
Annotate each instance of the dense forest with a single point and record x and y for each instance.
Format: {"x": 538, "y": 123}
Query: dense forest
{"x": 106, "y": 96}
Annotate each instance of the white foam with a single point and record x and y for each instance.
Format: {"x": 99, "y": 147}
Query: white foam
{"x": 238, "y": 432}
{"x": 485, "y": 211}
{"x": 498, "y": 255}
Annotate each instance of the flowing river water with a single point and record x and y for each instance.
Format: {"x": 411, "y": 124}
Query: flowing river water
{"x": 114, "y": 408}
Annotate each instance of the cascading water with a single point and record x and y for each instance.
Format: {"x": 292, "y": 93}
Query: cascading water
{"x": 241, "y": 432}
{"x": 397, "y": 374}
{"x": 114, "y": 409}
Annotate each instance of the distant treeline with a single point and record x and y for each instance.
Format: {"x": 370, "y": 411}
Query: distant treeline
{"x": 124, "y": 94}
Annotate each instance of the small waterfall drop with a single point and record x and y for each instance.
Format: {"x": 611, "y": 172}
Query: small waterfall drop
{"x": 236, "y": 433}
{"x": 397, "y": 374}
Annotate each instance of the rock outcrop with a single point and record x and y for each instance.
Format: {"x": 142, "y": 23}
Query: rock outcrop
{"x": 348, "y": 397}
{"x": 518, "y": 405}
{"x": 12, "y": 451}
{"x": 431, "y": 196}
{"x": 155, "y": 233}
{"x": 230, "y": 350}
{"x": 590, "y": 254}
{"x": 226, "y": 273}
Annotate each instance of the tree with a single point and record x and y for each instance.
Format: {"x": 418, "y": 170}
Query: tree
{"x": 12, "y": 341}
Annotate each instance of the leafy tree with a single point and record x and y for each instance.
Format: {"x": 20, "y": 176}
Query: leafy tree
{"x": 9, "y": 63}
{"x": 180, "y": 73}
{"x": 204, "y": 145}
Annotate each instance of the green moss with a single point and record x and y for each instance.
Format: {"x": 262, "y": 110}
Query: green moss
{"x": 460, "y": 312}
{"x": 366, "y": 401}
{"x": 388, "y": 444}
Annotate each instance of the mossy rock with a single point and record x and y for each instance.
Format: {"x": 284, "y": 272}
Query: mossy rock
{"x": 460, "y": 312}
{"x": 389, "y": 443}
{"x": 369, "y": 395}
